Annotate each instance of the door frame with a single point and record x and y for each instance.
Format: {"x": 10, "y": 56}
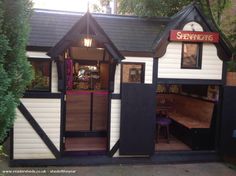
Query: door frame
{"x": 63, "y": 112}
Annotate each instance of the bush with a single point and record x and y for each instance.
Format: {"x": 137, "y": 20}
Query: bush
{"x": 231, "y": 66}
{"x": 15, "y": 70}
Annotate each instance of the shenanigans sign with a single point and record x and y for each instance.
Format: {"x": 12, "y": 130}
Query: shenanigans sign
{"x": 194, "y": 36}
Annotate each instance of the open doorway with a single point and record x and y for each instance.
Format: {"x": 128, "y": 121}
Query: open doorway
{"x": 186, "y": 117}
{"x": 87, "y": 100}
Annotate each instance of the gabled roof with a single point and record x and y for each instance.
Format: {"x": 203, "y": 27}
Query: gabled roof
{"x": 191, "y": 13}
{"x": 128, "y": 33}
{"x": 76, "y": 33}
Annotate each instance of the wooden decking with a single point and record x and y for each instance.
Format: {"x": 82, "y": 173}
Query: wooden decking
{"x": 174, "y": 145}
{"x": 86, "y": 144}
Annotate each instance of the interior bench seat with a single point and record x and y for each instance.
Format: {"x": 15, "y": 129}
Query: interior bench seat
{"x": 187, "y": 121}
{"x": 192, "y": 119}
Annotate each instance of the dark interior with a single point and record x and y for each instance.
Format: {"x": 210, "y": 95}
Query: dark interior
{"x": 192, "y": 118}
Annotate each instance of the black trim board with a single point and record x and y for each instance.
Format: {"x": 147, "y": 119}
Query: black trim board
{"x": 115, "y": 96}
{"x": 42, "y": 95}
{"x": 155, "y": 71}
{"x": 159, "y": 158}
{"x": 38, "y": 48}
{"x": 38, "y": 130}
{"x": 188, "y": 81}
{"x": 224, "y": 73}
{"x": 86, "y": 134}
{"x": 114, "y": 148}
{"x": 62, "y": 126}
{"x": 11, "y": 143}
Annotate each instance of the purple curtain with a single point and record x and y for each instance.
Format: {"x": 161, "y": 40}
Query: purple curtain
{"x": 69, "y": 73}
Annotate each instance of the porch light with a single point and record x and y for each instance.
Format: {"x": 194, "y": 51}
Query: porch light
{"x": 87, "y": 38}
{"x": 87, "y": 42}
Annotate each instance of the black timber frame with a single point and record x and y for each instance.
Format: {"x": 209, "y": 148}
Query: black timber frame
{"x": 228, "y": 123}
{"x": 188, "y": 81}
{"x": 160, "y": 158}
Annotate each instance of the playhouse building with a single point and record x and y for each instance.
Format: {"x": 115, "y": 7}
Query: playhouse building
{"x": 124, "y": 89}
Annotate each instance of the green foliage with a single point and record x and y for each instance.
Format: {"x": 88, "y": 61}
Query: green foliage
{"x": 15, "y": 70}
{"x": 151, "y": 8}
{"x": 2, "y": 153}
{"x": 99, "y": 7}
{"x": 231, "y": 66}
{"x": 217, "y": 10}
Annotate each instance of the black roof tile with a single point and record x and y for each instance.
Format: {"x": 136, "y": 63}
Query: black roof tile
{"x": 128, "y": 33}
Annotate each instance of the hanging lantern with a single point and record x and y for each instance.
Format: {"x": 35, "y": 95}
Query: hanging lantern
{"x": 88, "y": 41}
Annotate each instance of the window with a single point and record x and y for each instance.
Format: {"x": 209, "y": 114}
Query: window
{"x": 191, "y": 55}
{"x": 133, "y": 72}
{"x": 42, "y": 72}
{"x": 88, "y": 75}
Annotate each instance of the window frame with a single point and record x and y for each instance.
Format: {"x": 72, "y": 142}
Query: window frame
{"x": 50, "y": 73}
{"x": 199, "y": 57}
{"x": 142, "y": 74}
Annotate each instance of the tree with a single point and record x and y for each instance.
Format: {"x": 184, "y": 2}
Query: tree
{"x": 15, "y": 70}
{"x": 151, "y": 8}
{"x": 215, "y": 9}
{"x": 102, "y": 6}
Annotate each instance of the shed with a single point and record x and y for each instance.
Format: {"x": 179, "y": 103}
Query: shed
{"x": 104, "y": 82}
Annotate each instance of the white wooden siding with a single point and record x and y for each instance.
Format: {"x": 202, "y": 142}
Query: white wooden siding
{"x": 169, "y": 65}
{"x": 115, "y": 123}
{"x": 47, "y": 112}
{"x": 26, "y": 142}
{"x": 37, "y": 54}
{"x": 117, "y": 79}
{"x": 54, "y": 79}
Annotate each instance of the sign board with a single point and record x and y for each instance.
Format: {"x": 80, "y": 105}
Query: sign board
{"x": 194, "y": 36}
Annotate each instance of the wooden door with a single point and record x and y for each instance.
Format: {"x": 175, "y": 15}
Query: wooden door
{"x": 137, "y": 131}
{"x": 78, "y": 107}
{"x": 228, "y": 122}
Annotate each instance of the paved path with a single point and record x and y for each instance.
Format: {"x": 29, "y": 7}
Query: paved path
{"x": 199, "y": 169}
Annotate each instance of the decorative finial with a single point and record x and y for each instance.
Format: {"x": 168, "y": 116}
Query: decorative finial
{"x": 88, "y": 6}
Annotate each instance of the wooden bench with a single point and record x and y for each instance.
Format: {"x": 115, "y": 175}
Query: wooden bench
{"x": 192, "y": 119}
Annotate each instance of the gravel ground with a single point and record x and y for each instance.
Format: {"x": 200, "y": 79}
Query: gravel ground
{"x": 196, "y": 169}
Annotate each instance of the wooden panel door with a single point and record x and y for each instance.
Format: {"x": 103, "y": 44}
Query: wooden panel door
{"x": 137, "y": 130}
{"x": 78, "y": 112}
{"x": 100, "y": 111}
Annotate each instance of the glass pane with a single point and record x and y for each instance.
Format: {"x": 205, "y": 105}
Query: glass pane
{"x": 132, "y": 73}
{"x": 86, "y": 77}
{"x": 41, "y": 79}
{"x": 190, "y": 56}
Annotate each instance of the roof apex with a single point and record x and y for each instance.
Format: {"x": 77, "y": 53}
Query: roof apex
{"x": 75, "y": 33}
{"x": 191, "y": 12}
